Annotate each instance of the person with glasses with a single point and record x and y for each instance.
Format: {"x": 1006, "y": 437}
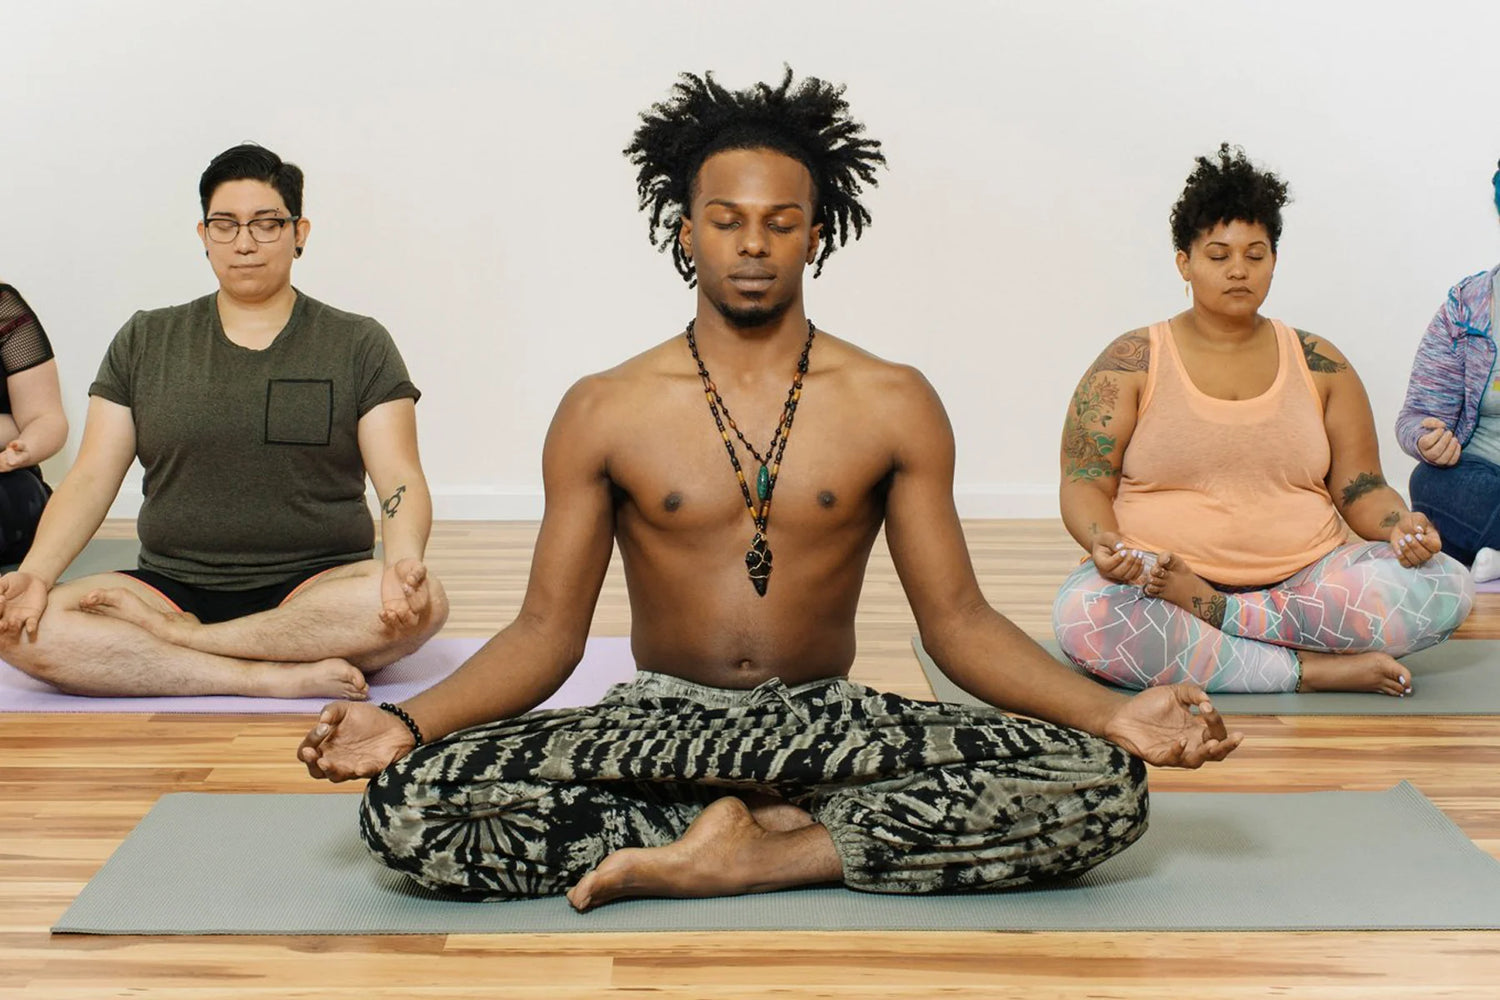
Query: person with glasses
{"x": 1451, "y": 421}
{"x": 32, "y": 422}
{"x": 256, "y": 412}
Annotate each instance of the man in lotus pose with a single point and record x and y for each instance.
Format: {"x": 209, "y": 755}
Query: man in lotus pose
{"x": 256, "y": 412}
{"x": 741, "y": 758}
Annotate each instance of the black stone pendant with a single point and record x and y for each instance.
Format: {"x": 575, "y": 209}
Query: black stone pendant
{"x": 758, "y": 563}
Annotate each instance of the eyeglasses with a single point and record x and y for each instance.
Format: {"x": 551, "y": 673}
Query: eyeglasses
{"x": 266, "y": 230}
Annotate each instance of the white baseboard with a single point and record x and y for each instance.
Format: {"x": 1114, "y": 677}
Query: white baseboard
{"x": 484, "y": 503}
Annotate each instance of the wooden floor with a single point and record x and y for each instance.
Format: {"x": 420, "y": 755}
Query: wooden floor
{"x": 72, "y": 786}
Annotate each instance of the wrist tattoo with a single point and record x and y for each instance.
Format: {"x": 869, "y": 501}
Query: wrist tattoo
{"x": 393, "y": 502}
{"x": 1391, "y": 520}
{"x": 1211, "y": 610}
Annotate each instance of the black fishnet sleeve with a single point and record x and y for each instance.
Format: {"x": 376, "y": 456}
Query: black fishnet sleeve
{"x": 23, "y": 342}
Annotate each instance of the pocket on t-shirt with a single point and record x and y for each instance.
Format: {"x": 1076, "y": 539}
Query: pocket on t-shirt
{"x": 299, "y": 411}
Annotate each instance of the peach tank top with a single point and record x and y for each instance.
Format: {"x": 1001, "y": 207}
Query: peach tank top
{"x": 1233, "y": 486}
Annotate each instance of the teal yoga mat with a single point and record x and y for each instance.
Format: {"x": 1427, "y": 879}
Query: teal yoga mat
{"x": 294, "y": 864}
{"x": 1457, "y": 677}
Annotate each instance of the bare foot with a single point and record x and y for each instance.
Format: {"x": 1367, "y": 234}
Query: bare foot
{"x": 725, "y": 852}
{"x": 122, "y": 605}
{"x": 331, "y": 678}
{"x": 1373, "y": 671}
{"x": 1173, "y": 581}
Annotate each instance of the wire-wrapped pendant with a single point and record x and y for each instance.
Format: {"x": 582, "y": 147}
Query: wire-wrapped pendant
{"x": 758, "y": 563}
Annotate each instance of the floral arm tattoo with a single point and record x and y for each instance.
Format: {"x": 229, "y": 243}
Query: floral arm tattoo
{"x": 393, "y": 502}
{"x": 1086, "y": 446}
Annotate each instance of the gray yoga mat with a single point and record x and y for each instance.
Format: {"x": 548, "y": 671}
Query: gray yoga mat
{"x": 294, "y": 864}
{"x": 100, "y": 555}
{"x": 1457, "y": 677}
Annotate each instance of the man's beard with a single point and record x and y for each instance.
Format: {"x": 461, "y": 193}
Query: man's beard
{"x": 752, "y": 317}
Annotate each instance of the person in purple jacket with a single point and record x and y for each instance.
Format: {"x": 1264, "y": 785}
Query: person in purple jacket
{"x": 1451, "y": 422}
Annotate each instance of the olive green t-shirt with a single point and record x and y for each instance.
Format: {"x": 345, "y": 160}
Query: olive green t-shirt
{"x": 253, "y": 469}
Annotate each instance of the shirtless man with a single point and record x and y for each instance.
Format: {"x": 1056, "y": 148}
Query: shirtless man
{"x": 256, "y": 412}
{"x": 741, "y": 759}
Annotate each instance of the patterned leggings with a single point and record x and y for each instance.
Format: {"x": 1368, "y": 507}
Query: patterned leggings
{"x": 1356, "y": 598}
{"x": 917, "y": 797}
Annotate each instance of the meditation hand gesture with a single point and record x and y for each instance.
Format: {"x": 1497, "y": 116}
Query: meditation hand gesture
{"x": 15, "y": 455}
{"x": 23, "y": 598}
{"x": 403, "y": 595}
{"x": 353, "y": 740}
{"x": 1438, "y": 446}
{"x": 1415, "y": 539}
{"x": 1159, "y": 727}
{"x": 1114, "y": 561}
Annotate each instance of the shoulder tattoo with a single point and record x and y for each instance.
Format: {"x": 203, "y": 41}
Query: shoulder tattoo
{"x": 1128, "y": 353}
{"x": 1317, "y": 361}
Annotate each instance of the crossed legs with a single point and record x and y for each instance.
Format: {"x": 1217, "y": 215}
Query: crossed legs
{"x": 111, "y": 635}
{"x": 1336, "y": 625}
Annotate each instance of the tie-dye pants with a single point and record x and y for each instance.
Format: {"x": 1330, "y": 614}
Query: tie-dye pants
{"x": 1356, "y": 598}
{"x": 917, "y": 797}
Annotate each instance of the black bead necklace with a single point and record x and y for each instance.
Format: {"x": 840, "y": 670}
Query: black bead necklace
{"x": 758, "y": 557}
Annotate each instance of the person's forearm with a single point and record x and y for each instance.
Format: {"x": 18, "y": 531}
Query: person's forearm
{"x": 406, "y": 520}
{"x": 69, "y": 520}
{"x": 1087, "y": 511}
{"x": 8, "y": 429}
{"x": 992, "y": 659}
{"x": 514, "y": 672}
{"x": 1373, "y": 515}
{"x": 43, "y": 436}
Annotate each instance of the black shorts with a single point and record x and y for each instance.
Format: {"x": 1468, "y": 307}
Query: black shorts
{"x": 210, "y": 606}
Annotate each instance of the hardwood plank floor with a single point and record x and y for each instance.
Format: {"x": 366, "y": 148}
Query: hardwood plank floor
{"x": 72, "y": 786}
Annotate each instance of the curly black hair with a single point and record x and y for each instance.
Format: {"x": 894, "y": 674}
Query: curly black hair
{"x": 808, "y": 121}
{"x": 1231, "y": 189}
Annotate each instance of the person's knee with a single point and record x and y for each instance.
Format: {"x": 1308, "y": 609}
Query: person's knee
{"x": 45, "y": 657}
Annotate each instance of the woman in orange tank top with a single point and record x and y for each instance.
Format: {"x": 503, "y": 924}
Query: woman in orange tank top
{"x": 1207, "y": 462}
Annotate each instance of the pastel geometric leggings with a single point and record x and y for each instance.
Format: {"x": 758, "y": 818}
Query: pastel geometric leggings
{"x": 1356, "y": 598}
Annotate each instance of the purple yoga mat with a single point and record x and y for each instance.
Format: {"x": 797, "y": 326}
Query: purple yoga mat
{"x": 606, "y": 661}
{"x": 1488, "y": 587}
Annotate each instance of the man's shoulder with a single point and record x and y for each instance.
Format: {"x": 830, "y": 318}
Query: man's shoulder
{"x": 165, "y": 317}
{"x": 327, "y": 317}
{"x": 861, "y": 371}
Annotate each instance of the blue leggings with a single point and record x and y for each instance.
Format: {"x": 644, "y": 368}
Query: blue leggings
{"x": 1463, "y": 500}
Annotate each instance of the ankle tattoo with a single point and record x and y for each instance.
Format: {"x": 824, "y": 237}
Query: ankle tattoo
{"x": 1211, "y": 610}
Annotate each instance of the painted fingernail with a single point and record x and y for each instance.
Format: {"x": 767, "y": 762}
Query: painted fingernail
{"x": 1408, "y": 691}
{"x": 320, "y": 730}
{"x": 1409, "y": 538}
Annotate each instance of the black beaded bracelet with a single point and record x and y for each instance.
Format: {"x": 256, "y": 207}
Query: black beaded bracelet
{"x": 411, "y": 724}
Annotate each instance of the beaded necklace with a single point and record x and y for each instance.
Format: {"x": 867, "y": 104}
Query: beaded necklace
{"x": 758, "y": 557}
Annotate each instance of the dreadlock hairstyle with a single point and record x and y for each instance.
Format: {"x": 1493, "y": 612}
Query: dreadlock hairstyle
{"x": 808, "y": 121}
{"x": 1224, "y": 191}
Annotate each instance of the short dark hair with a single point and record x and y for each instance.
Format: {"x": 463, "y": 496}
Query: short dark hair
{"x": 808, "y": 121}
{"x": 1226, "y": 189}
{"x": 1496, "y": 181}
{"x": 251, "y": 162}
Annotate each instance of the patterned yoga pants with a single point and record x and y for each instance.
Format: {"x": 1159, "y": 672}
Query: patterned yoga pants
{"x": 1356, "y": 598}
{"x": 917, "y": 797}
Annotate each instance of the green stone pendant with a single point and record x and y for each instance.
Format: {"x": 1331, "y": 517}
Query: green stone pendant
{"x": 762, "y": 483}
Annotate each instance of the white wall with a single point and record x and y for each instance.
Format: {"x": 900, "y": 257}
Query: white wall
{"x": 466, "y": 186}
